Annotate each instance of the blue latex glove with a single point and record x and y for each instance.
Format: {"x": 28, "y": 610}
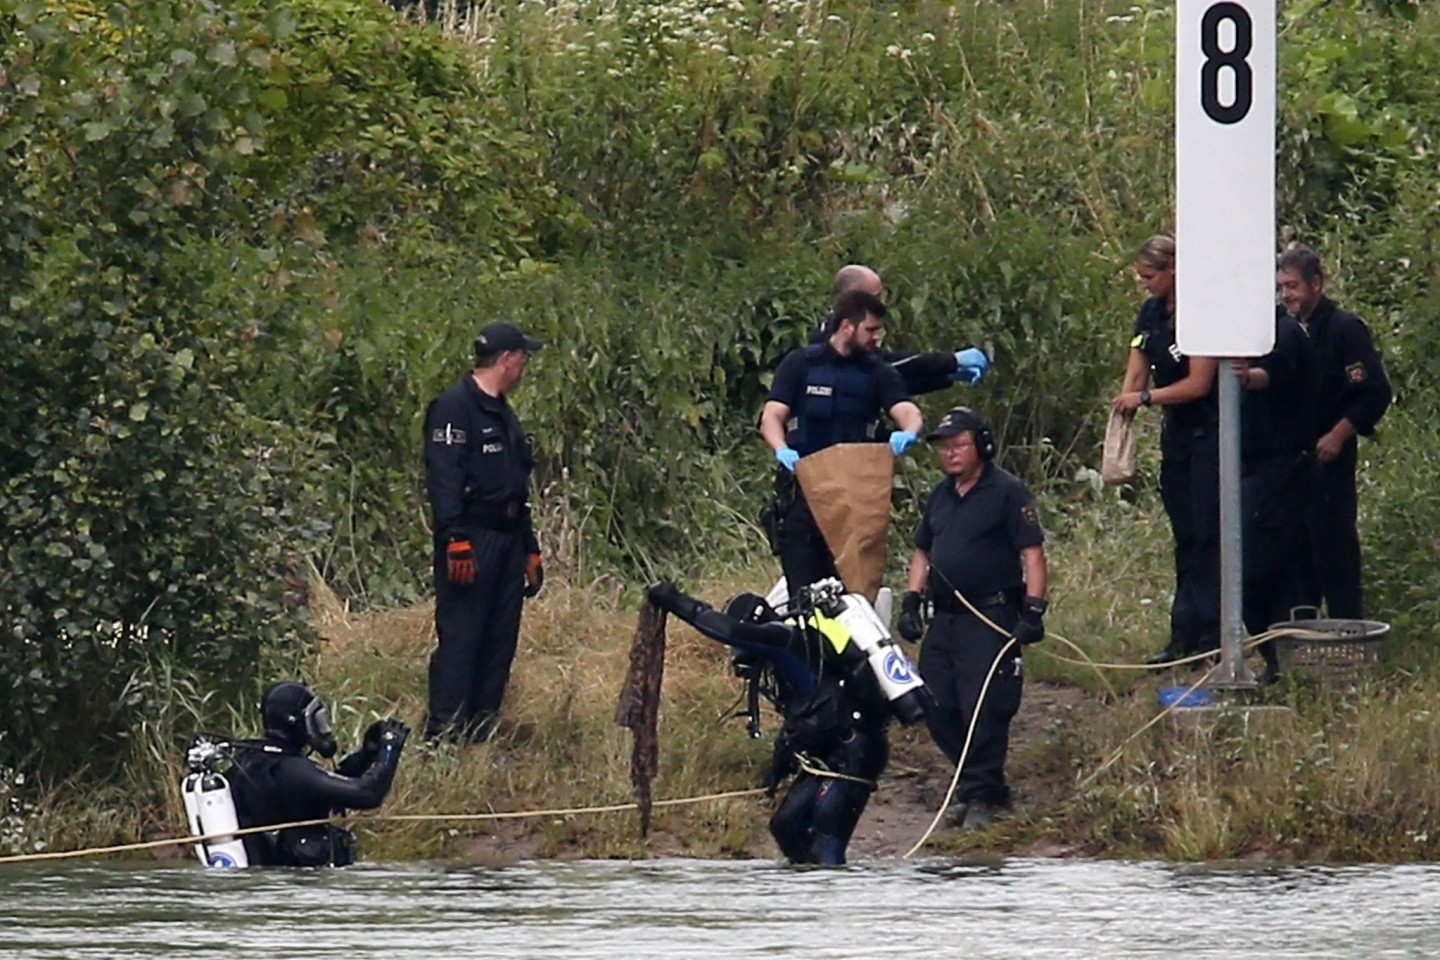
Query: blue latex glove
{"x": 972, "y": 364}
{"x": 788, "y": 457}
{"x": 900, "y": 441}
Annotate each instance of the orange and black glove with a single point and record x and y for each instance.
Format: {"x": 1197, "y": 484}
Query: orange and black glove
{"x": 534, "y": 575}
{"x": 460, "y": 562}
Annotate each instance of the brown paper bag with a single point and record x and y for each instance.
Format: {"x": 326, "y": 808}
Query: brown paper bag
{"x": 848, "y": 489}
{"x": 1118, "y": 465}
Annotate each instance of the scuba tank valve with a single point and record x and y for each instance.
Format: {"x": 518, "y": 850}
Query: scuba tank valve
{"x": 898, "y": 678}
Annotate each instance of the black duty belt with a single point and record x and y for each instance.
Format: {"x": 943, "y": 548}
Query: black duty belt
{"x": 495, "y": 516}
{"x": 949, "y": 603}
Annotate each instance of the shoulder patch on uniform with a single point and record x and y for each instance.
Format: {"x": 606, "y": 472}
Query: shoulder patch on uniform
{"x": 1356, "y": 372}
{"x": 448, "y": 435}
{"x": 1030, "y": 514}
{"x": 1137, "y": 341}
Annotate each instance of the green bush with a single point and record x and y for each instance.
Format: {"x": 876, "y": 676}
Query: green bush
{"x": 147, "y": 515}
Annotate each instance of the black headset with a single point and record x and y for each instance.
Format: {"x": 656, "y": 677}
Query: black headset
{"x": 970, "y": 420}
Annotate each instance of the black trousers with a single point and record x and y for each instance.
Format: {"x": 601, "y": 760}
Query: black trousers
{"x": 1332, "y": 572}
{"x": 1190, "y": 490}
{"x": 478, "y": 626}
{"x": 804, "y": 555}
{"x": 954, "y": 660}
{"x": 1273, "y": 493}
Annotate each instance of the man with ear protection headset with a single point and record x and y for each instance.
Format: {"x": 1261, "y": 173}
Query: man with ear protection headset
{"x": 978, "y": 544}
{"x": 273, "y": 782}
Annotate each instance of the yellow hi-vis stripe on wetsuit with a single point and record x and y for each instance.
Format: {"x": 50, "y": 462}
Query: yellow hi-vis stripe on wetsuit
{"x": 833, "y": 630}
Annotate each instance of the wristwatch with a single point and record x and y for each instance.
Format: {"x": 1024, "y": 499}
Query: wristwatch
{"x": 1144, "y": 398}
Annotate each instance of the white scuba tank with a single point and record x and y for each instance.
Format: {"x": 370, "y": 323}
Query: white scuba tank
{"x": 210, "y": 809}
{"x": 898, "y": 678}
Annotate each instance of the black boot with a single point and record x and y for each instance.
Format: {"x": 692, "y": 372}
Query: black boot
{"x": 1272, "y": 664}
{"x": 1174, "y": 651}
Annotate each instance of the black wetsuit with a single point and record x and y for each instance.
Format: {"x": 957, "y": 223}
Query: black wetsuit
{"x": 835, "y": 716}
{"x": 273, "y": 784}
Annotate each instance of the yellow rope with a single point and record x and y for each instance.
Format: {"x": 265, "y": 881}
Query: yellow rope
{"x": 565, "y": 812}
{"x": 974, "y": 719}
{"x": 174, "y": 841}
{"x": 152, "y": 844}
{"x": 965, "y": 750}
{"x": 805, "y": 764}
{"x": 1257, "y": 639}
{"x": 1087, "y": 662}
{"x": 1120, "y": 750}
{"x": 1098, "y": 667}
{"x": 817, "y": 769}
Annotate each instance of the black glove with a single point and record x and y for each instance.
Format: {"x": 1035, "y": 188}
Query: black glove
{"x": 381, "y": 734}
{"x": 912, "y": 622}
{"x": 1031, "y": 627}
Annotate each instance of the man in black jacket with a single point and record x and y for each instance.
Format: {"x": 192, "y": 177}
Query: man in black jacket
{"x": 273, "y": 782}
{"x": 487, "y": 559}
{"x": 1352, "y": 394}
{"x": 826, "y": 394}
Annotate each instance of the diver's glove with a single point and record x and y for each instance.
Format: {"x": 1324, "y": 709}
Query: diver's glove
{"x": 385, "y": 738}
{"x": 970, "y": 366}
{"x": 912, "y": 621}
{"x": 1031, "y": 626}
{"x": 901, "y": 440}
{"x": 788, "y": 457}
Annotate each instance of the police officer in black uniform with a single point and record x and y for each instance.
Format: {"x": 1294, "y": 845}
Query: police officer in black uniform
{"x": 1189, "y": 447}
{"x": 835, "y": 715}
{"x": 1352, "y": 395}
{"x": 980, "y": 541}
{"x": 833, "y": 391}
{"x": 487, "y": 559}
{"x": 273, "y": 782}
{"x": 1276, "y": 466}
{"x": 921, "y": 372}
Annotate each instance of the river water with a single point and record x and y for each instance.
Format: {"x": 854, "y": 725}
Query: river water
{"x": 690, "y": 908}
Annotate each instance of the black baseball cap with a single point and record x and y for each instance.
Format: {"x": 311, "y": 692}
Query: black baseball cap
{"x": 499, "y": 337}
{"x": 957, "y": 420}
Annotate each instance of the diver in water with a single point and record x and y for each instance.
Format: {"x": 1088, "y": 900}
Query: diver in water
{"x": 273, "y": 782}
{"x": 836, "y": 679}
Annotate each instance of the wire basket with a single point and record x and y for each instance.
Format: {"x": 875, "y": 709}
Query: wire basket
{"x": 1343, "y": 653}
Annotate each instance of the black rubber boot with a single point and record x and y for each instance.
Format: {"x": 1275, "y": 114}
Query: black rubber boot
{"x": 1168, "y": 656}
